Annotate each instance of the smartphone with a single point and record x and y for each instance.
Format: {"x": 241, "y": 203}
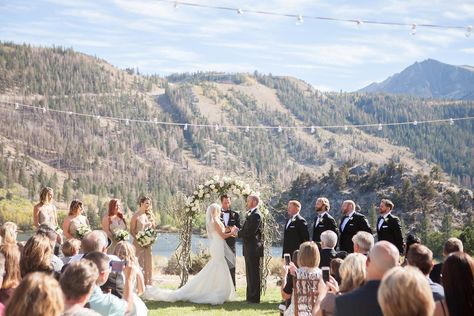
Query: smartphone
{"x": 287, "y": 259}
{"x": 325, "y": 274}
{"x": 117, "y": 266}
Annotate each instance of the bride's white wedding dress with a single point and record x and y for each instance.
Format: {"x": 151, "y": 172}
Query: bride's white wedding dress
{"x": 212, "y": 285}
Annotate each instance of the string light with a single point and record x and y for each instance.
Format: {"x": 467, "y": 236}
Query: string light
{"x": 300, "y": 20}
{"x": 413, "y": 29}
{"x": 312, "y": 17}
{"x": 239, "y": 11}
{"x": 468, "y": 30}
{"x": 246, "y": 127}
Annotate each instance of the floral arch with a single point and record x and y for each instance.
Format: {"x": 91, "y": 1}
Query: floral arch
{"x": 209, "y": 191}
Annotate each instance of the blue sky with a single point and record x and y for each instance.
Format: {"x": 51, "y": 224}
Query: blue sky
{"x": 158, "y": 38}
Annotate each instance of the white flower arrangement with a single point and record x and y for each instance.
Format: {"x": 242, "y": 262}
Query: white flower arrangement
{"x": 147, "y": 237}
{"x": 58, "y": 230}
{"x": 121, "y": 235}
{"x": 82, "y": 230}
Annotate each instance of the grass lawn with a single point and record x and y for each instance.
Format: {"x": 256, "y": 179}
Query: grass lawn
{"x": 268, "y": 306}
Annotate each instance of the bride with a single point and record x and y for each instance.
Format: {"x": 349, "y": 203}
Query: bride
{"x": 213, "y": 284}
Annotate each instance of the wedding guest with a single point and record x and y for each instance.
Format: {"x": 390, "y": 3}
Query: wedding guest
{"x": 323, "y": 221}
{"x": 410, "y": 240}
{"x": 286, "y": 289}
{"x": 77, "y": 282}
{"x": 9, "y": 233}
{"x": 142, "y": 220}
{"x": 328, "y": 243}
{"x": 421, "y": 257}
{"x": 47, "y": 231}
{"x": 353, "y": 275}
{"x": 363, "y": 242}
{"x": 70, "y": 248}
{"x": 38, "y": 294}
{"x": 452, "y": 245}
{"x": 363, "y": 301}
{"x": 36, "y": 255}
{"x": 74, "y": 220}
{"x": 351, "y": 223}
{"x": 11, "y": 276}
{"x": 125, "y": 251}
{"x": 310, "y": 276}
{"x": 113, "y": 221}
{"x": 334, "y": 267}
{"x": 458, "y": 284}
{"x": 405, "y": 291}
{"x": 296, "y": 228}
{"x": 45, "y": 212}
{"x": 2, "y": 271}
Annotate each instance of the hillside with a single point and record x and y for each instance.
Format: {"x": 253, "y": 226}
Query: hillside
{"x": 82, "y": 156}
{"x": 430, "y": 79}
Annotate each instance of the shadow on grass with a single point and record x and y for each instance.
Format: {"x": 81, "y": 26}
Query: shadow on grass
{"x": 266, "y": 306}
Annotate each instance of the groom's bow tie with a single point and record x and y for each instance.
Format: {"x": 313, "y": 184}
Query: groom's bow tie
{"x": 226, "y": 211}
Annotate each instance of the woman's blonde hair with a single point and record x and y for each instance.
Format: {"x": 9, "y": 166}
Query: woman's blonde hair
{"x": 36, "y": 255}
{"x": 308, "y": 256}
{"x": 405, "y": 291}
{"x": 38, "y": 294}
{"x": 8, "y": 232}
{"x": 126, "y": 251}
{"x": 12, "y": 277}
{"x": 352, "y": 272}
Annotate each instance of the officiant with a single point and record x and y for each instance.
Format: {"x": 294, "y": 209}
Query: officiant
{"x": 229, "y": 218}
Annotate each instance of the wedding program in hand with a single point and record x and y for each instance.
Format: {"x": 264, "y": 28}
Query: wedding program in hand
{"x": 213, "y": 284}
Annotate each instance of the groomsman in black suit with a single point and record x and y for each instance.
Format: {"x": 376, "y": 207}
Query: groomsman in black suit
{"x": 389, "y": 227}
{"x": 251, "y": 234}
{"x": 296, "y": 229}
{"x": 323, "y": 220}
{"x": 351, "y": 223}
{"x": 229, "y": 218}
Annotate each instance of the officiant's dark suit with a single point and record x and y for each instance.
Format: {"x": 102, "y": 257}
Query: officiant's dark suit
{"x": 296, "y": 233}
{"x": 233, "y": 219}
{"x": 251, "y": 235}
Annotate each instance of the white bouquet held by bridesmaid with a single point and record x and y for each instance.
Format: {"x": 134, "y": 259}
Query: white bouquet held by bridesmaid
{"x": 82, "y": 230}
{"x": 147, "y": 237}
{"x": 121, "y": 235}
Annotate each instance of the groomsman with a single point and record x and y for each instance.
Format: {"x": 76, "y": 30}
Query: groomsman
{"x": 323, "y": 220}
{"x": 296, "y": 228}
{"x": 389, "y": 227}
{"x": 351, "y": 223}
{"x": 229, "y": 218}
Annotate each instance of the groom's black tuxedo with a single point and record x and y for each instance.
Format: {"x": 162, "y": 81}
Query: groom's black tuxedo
{"x": 251, "y": 234}
{"x": 234, "y": 220}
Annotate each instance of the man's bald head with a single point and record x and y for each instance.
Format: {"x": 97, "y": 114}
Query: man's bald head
{"x": 382, "y": 258}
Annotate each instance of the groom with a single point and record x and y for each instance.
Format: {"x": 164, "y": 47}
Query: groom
{"x": 251, "y": 235}
{"x": 229, "y": 218}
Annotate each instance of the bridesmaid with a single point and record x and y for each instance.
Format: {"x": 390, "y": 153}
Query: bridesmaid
{"x": 74, "y": 219}
{"x": 45, "y": 212}
{"x": 140, "y": 221}
{"x": 114, "y": 220}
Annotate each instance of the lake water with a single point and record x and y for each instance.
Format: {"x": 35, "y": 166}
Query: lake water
{"x": 166, "y": 244}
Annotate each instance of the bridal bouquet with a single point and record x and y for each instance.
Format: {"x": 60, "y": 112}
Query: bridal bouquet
{"x": 58, "y": 230}
{"x": 121, "y": 235}
{"x": 147, "y": 237}
{"x": 82, "y": 230}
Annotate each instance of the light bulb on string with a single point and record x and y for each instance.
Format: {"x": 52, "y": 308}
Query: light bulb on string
{"x": 69, "y": 113}
{"x": 97, "y": 117}
{"x": 185, "y": 127}
{"x": 346, "y": 128}
{"x": 155, "y": 120}
{"x": 451, "y": 121}
{"x": 17, "y": 106}
{"x": 247, "y": 129}
{"x": 127, "y": 122}
{"x": 175, "y": 5}
{"x": 415, "y": 123}
{"x": 413, "y": 29}
{"x": 44, "y": 109}
{"x": 380, "y": 127}
{"x": 312, "y": 130}
{"x": 300, "y": 20}
{"x": 468, "y": 30}
{"x": 240, "y": 12}
{"x": 217, "y": 127}
{"x": 359, "y": 23}
{"x": 280, "y": 129}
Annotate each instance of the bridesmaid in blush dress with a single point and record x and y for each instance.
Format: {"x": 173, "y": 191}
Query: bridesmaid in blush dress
{"x": 74, "y": 220}
{"x": 113, "y": 221}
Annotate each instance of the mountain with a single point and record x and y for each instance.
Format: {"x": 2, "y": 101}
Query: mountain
{"x": 430, "y": 79}
{"x": 94, "y": 157}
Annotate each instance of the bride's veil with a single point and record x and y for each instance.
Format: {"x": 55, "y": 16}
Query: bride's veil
{"x": 228, "y": 254}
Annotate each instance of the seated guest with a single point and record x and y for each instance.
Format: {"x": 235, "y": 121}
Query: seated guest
{"x": 36, "y": 256}
{"x": 363, "y": 301}
{"x": 405, "y": 291}
{"x": 38, "y": 294}
{"x": 77, "y": 282}
{"x": 410, "y": 240}
{"x": 421, "y": 257}
{"x": 353, "y": 275}
{"x": 363, "y": 242}
{"x": 70, "y": 248}
{"x": 11, "y": 276}
{"x": 328, "y": 243}
{"x": 334, "y": 267}
{"x": 109, "y": 304}
{"x": 458, "y": 284}
{"x": 9, "y": 233}
{"x": 287, "y": 280}
{"x": 305, "y": 292}
{"x": 2, "y": 271}
{"x": 56, "y": 262}
{"x": 450, "y": 246}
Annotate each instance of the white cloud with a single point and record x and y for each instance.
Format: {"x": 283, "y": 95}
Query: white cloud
{"x": 469, "y": 50}
{"x": 76, "y": 42}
